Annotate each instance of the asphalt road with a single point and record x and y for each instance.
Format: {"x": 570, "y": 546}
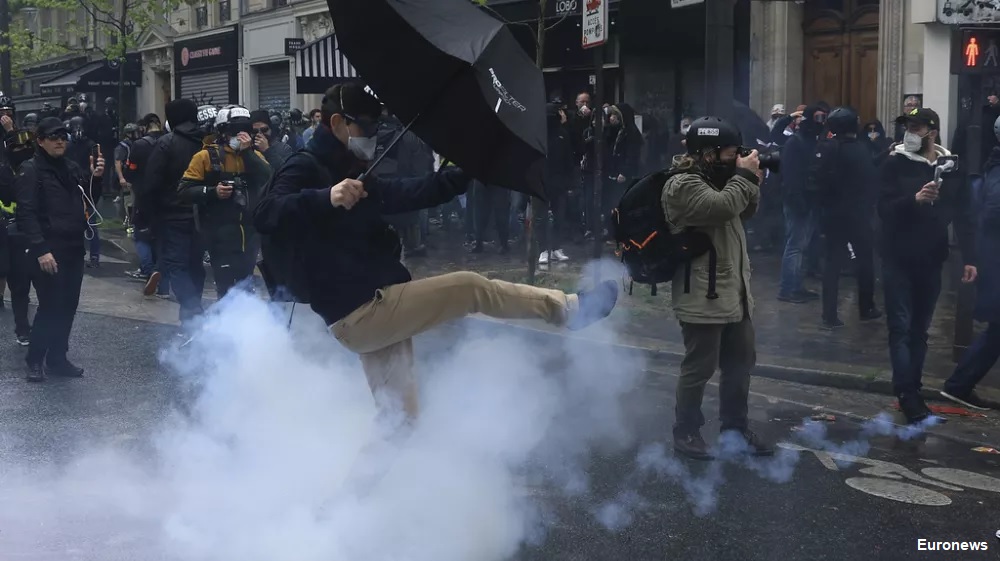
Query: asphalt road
{"x": 867, "y": 497}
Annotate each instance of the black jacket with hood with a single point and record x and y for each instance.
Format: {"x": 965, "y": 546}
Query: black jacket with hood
{"x": 917, "y": 234}
{"x": 50, "y": 206}
{"x": 879, "y": 147}
{"x": 797, "y": 163}
{"x": 559, "y": 159}
{"x": 167, "y": 164}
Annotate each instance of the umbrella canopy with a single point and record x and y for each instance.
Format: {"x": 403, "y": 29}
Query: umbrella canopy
{"x": 479, "y": 97}
{"x": 755, "y": 132}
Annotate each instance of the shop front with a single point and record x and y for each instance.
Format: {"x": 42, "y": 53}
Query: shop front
{"x": 98, "y": 80}
{"x": 268, "y": 74}
{"x": 206, "y": 68}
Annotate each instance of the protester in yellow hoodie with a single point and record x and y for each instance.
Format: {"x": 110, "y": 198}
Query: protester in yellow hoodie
{"x": 224, "y": 181}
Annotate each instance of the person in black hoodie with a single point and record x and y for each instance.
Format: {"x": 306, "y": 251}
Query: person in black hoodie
{"x": 180, "y": 246}
{"x": 558, "y": 180}
{"x": 343, "y": 258}
{"x": 800, "y": 193}
{"x": 916, "y": 213}
{"x": 51, "y": 215}
{"x": 622, "y": 150}
{"x": 848, "y": 182}
{"x": 875, "y": 140}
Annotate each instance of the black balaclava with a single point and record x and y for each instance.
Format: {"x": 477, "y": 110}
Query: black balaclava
{"x": 808, "y": 124}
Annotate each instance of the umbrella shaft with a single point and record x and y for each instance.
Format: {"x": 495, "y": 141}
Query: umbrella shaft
{"x": 388, "y": 148}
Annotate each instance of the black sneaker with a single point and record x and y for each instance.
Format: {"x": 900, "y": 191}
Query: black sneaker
{"x": 23, "y": 340}
{"x": 913, "y": 407}
{"x": 831, "y": 324}
{"x": 64, "y": 370}
{"x": 871, "y": 314}
{"x": 93, "y": 264}
{"x": 970, "y": 400}
{"x": 692, "y": 446}
{"x": 758, "y": 447}
{"x": 595, "y": 304}
{"x": 792, "y": 298}
{"x": 36, "y": 373}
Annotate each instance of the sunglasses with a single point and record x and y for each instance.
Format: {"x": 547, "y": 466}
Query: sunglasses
{"x": 264, "y": 131}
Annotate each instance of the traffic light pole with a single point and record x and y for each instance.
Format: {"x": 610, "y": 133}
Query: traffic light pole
{"x": 965, "y": 294}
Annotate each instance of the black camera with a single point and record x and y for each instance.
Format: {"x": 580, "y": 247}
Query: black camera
{"x": 239, "y": 190}
{"x": 771, "y": 161}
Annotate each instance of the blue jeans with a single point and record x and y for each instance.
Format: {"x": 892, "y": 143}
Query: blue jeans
{"x": 799, "y": 229}
{"x": 911, "y": 294}
{"x": 182, "y": 257}
{"x": 145, "y": 251}
{"x": 976, "y": 362}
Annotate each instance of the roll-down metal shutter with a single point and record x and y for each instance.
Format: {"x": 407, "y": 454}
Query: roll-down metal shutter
{"x": 208, "y": 87}
{"x": 273, "y": 88}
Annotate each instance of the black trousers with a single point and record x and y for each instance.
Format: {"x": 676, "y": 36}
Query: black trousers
{"x": 232, "y": 264}
{"x": 19, "y": 281}
{"x": 729, "y": 347}
{"x": 840, "y": 232}
{"x": 492, "y": 204}
{"x": 58, "y": 298}
{"x": 554, "y": 226}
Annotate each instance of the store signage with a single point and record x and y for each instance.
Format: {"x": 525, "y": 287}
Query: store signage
{"x": 564, "y": 8}
{"x": 294, "y": 45}
{"x": 206, "y": 52}
{"x": 595, "y": 23}
{"x": 978, "y": 53}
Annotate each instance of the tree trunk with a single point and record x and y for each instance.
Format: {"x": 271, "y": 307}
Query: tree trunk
{"x": 538, "y": 215}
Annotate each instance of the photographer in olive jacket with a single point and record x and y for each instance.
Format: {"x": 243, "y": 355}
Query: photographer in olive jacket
{"x": 710, "y": 190}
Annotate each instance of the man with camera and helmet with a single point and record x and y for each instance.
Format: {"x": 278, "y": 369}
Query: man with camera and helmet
{"x": 710, "y": 190}
{"x": 224, "y": 181}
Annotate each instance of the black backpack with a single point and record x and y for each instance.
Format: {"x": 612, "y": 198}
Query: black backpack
{"x": 280, "y": 259}
{"x": 650, "y": 252}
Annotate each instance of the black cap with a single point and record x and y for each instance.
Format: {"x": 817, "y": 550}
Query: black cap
{"x": 712, "y": 132}
{"x": 51, "y": 126}
{"x": 260, "y": 116}
{"x": 921, "y": 115}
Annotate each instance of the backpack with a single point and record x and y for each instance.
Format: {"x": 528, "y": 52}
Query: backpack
{"x": 279, "y": 253}
{"x": 649, "y": 250}
{"x": 138, "y": 156}
{"x": 823, "y": 172}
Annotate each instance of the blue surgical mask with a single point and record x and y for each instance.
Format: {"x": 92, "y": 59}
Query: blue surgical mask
{"x": 234, "y": 143}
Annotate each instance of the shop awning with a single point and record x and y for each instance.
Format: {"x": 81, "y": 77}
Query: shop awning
{"x": 95, "y": 76}
{"x": 320, "y": 65}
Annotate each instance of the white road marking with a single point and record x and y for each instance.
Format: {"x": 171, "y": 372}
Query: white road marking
{"x": 898, "y": 491}
{"x": 964, "y": 478}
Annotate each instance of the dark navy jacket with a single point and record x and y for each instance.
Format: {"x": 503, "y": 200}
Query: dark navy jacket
{"x": 988, "y": 203}
{"x": 346, "y": 254}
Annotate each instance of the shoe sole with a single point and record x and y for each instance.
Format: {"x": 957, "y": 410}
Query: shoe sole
{"x": 792, "y": 300}
{"x": 959, "y": 401}
{"x": 690, "y": 456}
{"x": 152, "y": 284}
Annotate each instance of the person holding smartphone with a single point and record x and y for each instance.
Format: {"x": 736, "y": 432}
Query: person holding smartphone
{"x": 52, "y": 217}
{"x": 266, "y": 140}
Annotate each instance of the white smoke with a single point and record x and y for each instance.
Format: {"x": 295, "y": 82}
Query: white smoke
{"x": 251, "y": 464}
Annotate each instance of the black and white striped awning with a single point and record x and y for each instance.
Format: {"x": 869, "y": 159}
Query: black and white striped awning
{"x": 320, "y": 65}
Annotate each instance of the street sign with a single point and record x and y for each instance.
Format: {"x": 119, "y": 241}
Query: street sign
{"x": 595, "y": 23}
{"x": 979, "y": 52}
{"x": 968, "y": 12}
{"x": 682, "y": 3}
{"x": 293, "y": 46}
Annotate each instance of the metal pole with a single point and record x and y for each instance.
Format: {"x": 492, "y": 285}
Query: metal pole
{"x": 598, "y": 167}
{"x": 965, "y": 294}
{"x": 5, "y": 69}
{"x": 537, "y": 213}
{"x": 719, "y": 58}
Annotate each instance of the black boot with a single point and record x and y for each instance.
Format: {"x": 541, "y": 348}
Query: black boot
{"x": 36, "y": 373}
{"x": 64, "y": 370}
{"x": 913, "y": 407}
{"x": 692, "y": 445}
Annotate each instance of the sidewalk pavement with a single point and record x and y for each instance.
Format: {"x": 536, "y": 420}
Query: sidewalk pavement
{"x": 791, "y": 344}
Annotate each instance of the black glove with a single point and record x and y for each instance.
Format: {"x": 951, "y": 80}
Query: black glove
{"x": 454, "y": 180}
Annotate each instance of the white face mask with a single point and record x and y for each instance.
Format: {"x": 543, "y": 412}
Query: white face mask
{"x": 234, "y": 143}
{"x": 873, "y": 135}
{"x": 912, "y": 142}
{"x": 363, "y": 148}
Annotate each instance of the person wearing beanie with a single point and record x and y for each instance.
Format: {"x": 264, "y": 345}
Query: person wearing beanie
{"x": 267, "y": 140}
{"x": 174, "y": 216}
{"x": 52, "y": 215}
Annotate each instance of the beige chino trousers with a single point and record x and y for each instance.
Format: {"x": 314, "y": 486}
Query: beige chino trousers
{"x": 381, "y": 331}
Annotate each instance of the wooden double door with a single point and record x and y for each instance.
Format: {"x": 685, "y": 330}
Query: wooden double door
{"x": 840, "y": 64}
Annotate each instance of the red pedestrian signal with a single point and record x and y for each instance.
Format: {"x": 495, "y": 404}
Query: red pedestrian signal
{"x": 971, "y": 52}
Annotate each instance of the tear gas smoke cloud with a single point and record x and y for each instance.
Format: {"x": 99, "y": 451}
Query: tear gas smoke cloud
{"x": 250, "y": 465}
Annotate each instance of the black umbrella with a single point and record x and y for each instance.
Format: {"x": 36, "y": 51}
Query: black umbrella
{"x": 755, "y": 132}
{"x": 458, "y": 76}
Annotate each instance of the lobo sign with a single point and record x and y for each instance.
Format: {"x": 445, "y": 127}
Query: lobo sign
{"x": 595, "y": 23}
{"x": 565, "y": 7}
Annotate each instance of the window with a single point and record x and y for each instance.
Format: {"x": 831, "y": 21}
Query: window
{"x": 224, "y": 13}
{"x": 201, "y": 16}
{"x": 280, "y": 3}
